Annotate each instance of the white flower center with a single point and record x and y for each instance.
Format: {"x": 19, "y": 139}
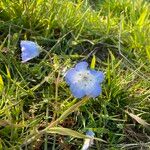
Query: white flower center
{"x": 84, "y": 79}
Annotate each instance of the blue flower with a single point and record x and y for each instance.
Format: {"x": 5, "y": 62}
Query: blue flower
{"x": 84, "y": 81}
{"x": 88, "y": 142}
{"x": 29, "y": 50}
{"x": 90, "y": 133}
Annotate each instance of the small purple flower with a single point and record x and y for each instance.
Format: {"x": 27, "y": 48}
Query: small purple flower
{"x": 84, "y": 81}
{"x": 29, "y": 50}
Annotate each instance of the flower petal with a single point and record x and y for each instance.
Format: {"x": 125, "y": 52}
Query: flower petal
{"x": 90, "y": 133}
{"x": 88, "y": 142}
{"x": 29, "y": 50}
{"x": 77, "y": 91}
{"x": 81, "y": 65}
{"x": 70, "y": 74}
{"x": 94, "y": 91}
{"x": 98, "y": 75}
{"x": 84, "y": 81}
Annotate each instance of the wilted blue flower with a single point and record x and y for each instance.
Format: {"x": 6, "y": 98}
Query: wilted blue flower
{"x": 84, "y": 81}
{"x": 29, "y": 50}
{"x": 88, "y": 142}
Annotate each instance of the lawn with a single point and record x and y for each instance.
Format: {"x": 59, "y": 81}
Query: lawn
{"x": 39, "y": 109}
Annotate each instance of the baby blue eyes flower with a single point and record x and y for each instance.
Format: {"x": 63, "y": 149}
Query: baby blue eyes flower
{"x": 84, "y": 81}
{"x": 29, "y": 50}
{"x": 88, "y": 142}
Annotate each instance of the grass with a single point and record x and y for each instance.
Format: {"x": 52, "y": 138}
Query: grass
{"x": 34, "y": 94}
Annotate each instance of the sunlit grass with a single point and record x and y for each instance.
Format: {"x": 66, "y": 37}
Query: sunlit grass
{"x": 33, "y": 94}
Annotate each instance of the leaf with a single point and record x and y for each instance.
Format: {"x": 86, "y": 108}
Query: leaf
{"x": 8, "y": 73}
{"x": 143, "y": 17}
{"x": 1, "y": 146}
{"x": 56, "y": 62}
{"x": 148, "y": 51}
{"x": 66, "y": 131}
{"x": 93, "y": 62}
{"x": 1, "y": 84}
{"x": 139, "y": 120}
{"x": 69, "y": 132}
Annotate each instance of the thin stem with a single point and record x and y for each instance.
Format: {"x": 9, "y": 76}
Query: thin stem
{"x": 47, "y": 114}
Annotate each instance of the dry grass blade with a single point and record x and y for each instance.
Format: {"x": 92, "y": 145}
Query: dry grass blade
{"x": 69, "y": 132}
{"x": 139, "y": 120}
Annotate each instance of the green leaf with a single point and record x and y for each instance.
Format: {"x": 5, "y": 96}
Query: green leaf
{"x": 143, "y": 17}
{"x": 56, "y": 62}
{"x": 1, "y": 146}
{"x": 69, "y": 132}
{"x": 148, "y": 51}
{"x": 8, "y": 73}
{"x": 1, "y": 84}
{"x": 93, "y": 62}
